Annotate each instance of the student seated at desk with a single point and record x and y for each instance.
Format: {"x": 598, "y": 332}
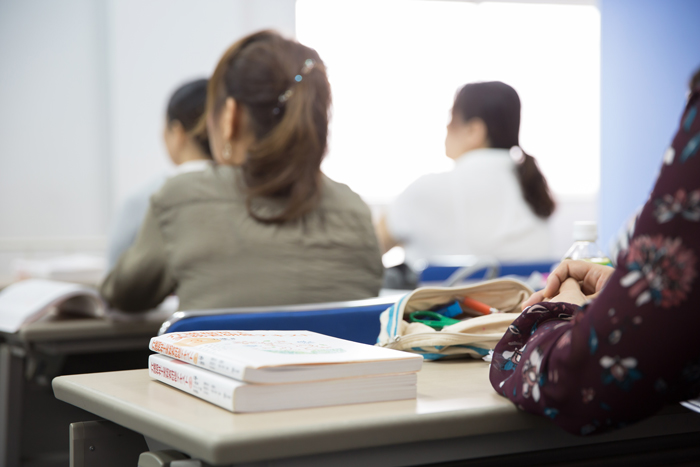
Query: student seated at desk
{"x": 189, "y": 152}
{"x": 264, "y": 226}
{"x": 489, "y": 204}
{"x": 606, "y": 364}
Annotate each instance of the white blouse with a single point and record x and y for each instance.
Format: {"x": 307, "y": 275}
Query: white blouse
{"x": 476, "y": 208}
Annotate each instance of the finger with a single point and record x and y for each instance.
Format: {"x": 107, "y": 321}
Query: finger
{"x": 537, "y": 297}
{"x": 596, "y": 278}
{"x": 570, "y": 285}
{"x": 593, "y": 276}
{"x": 570, "y": 292}
{"x": 566, "y": 269}
{"x": 605, "y": 272}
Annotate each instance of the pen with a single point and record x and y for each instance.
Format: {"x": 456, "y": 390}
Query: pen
{"x": 479, "y": 307}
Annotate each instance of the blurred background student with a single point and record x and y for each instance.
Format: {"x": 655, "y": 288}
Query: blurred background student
{"x": 264, "y": 226}
{"x": 494, "y": 202}
{"x": 189, "y": 152}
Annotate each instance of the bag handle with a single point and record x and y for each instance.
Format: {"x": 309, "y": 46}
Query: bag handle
{"x": 469, "y": 265}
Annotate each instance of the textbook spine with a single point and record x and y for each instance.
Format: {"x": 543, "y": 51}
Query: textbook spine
{"x": 201, "y": 359}
{"x": 198, "y": 382}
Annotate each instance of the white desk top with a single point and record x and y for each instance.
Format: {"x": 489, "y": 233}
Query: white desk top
{"x": 448, "y": 392}
{"x": 455, "y": 400}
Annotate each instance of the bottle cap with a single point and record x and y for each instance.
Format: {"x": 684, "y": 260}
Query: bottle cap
{"x": 585, "y": 231}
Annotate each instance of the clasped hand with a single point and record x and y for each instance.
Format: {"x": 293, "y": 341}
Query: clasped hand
{"x": 573, "y": 282}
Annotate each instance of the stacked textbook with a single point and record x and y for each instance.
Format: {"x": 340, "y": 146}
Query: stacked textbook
{"x": 255, "y": 371}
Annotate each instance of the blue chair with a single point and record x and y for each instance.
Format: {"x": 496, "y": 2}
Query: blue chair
{"x": 451, "y": 270}
{"x": 356, "y": 320}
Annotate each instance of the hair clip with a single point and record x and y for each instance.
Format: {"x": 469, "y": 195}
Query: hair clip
{"x": 309, "y": 64}
{"x": 517, "y": 154}
{"x": 285, "y": 97}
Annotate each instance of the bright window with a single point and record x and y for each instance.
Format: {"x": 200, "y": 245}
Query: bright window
{"x": 395, "y": 66}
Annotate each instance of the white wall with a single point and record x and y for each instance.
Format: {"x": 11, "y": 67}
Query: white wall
{"x": 409, "y": 80}
{"x": 155, "y": 46}
{"x": 83, "y": 89}
{"x": 52, "y": 126}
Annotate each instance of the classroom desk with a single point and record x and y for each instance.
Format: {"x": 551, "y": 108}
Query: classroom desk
{"x": 33, "y": 424}
{"x": 456, "y": 416}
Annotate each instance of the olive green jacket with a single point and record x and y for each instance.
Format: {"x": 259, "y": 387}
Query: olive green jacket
{"x": 199, "y": 242}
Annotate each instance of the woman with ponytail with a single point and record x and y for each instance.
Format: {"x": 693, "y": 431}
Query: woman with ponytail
{"x": 264, "y": 226}
{"x": 494, "y": 202}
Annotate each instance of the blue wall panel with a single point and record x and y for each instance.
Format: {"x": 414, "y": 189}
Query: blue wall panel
{"x": 649, "y": 50}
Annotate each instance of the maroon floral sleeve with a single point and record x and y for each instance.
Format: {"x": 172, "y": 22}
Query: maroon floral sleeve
{"x": 635, "y": 348}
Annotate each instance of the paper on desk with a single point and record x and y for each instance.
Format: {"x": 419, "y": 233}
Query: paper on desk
{"x": 26, "y": 301}
{"x": 692, "y": 404}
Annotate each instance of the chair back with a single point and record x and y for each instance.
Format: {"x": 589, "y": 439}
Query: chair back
{"x": 449, "y": 271}
{"x": 357, "y": 320}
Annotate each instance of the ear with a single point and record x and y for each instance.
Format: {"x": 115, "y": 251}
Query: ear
{"x": 229, "y": 119}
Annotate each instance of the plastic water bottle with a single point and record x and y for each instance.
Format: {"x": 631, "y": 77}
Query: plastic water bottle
{"x": 585, "y": 247}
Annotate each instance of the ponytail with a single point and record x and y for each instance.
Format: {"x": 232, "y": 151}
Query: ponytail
{"x": 283, "y": 88}
{"x": 533, "y": 185}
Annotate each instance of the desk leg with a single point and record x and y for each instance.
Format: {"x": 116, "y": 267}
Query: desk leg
{"x": 104, "y": 444}
{"x": 11, "y": 393}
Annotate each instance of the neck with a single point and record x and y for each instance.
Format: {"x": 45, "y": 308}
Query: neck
{"x": 190, "y": 153}
{"x": 466, "y": 151}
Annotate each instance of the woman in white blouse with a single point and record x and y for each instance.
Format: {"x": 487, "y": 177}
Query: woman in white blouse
{"x": 494, "y": 202}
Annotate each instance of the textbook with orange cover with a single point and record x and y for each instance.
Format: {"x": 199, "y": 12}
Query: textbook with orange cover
{"x": 282, "y": 356}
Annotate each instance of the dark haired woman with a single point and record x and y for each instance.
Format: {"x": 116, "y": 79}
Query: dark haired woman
{"x": 490, "y": 203}
{"x": 188, "y": 151}
{"x": 264, "y": 226}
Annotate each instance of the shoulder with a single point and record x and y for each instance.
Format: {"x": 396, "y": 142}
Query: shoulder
{"x": 428, "y": 182}
{"x": 214, "y": 183}
{"x": 419, "y": 200}
{"x": 340, "y": 197}
{"x": 429, "y": 186}
{"x": 424, "y": 194}
{"x": 144, "y": 192}
{"x": 135, "y": 205}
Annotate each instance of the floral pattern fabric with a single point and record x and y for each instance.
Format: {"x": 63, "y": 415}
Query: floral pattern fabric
{"x": 621, "y": 357}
